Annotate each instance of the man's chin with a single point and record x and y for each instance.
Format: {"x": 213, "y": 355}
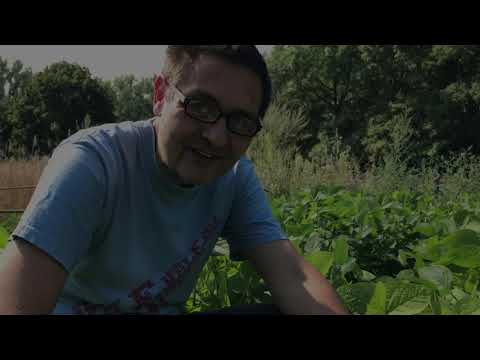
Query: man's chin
{"x": 197, "y": 179}
{"x": 198, "y": 182}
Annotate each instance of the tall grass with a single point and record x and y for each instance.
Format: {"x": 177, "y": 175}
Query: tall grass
{"x": 331, "y": 163}
{"x": 282, "y": 170}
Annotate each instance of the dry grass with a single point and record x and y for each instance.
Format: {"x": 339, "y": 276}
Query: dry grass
{"x": 15, "y": 173}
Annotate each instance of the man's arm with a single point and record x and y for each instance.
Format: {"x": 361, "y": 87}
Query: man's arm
{"x": 30, "y": 280}
{"x": 297, "y": 288}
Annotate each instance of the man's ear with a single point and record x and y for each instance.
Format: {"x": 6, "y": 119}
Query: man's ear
{"x": 160, "y": 89}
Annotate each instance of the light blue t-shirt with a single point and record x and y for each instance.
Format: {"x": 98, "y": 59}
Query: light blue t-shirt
{"x": 131, "y": 240}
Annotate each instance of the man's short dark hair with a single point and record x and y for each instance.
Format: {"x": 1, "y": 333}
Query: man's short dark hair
{"x": 179, "y": 56}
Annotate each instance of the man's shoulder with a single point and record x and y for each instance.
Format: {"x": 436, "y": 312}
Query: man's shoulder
{"x": 108, "y": 145}
{"x": 107, "y": 131}
{"x": 110, "y": 140}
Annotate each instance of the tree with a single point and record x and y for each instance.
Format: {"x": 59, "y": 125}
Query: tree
{"x": 324, "y": 81}
{"x": 132, "y": 97}
{"x": 57, "y": 102}
{"x": 360, "y": 90}
{"x": 452, "y": 106}
{"x": 13, "y": 81}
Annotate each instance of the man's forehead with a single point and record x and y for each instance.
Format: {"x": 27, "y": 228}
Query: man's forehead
{"x": 223, "y": 81}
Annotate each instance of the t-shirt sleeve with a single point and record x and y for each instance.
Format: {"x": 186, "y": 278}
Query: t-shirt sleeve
{"x": 251, "y": 221}
{"x": 66, "y": 207}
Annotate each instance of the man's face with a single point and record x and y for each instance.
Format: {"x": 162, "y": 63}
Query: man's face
{"x": 196, "y": 153}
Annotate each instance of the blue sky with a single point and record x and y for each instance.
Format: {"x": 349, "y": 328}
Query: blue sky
{"x": 104, "y": 61}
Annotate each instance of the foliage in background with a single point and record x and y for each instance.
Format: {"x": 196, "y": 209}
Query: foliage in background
{"x": 357, "y": 91}
{"x": 38, "y": 111}
{"x": 132, "y": 97}
{"x": 9, "y": 222}
{"x": 13, "y": 80}
{"x": 56, "y": 103}
{"x": 280, "y": 166}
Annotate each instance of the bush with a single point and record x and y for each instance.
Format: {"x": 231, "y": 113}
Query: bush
{"x": 282, "y": 169}
{"x": 274, "y": 155}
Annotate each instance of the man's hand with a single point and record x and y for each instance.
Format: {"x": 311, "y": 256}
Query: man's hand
{"x": 30, "y": 280}
{"x": 296, "y": 286}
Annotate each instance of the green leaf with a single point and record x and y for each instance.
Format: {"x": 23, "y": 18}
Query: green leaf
{"x": 435, "y": 304}
{"x": 459, "y": 294}
{"x": 450, "y": 225}
{"x": 348, "y": 266}
{"x": 233, "y": 270}
{"x": 378, "y": 303}
{"x": 362, "y": 216}
{"x": 412, "y": 307}
{"x": 464, "y": 249}
{"x": 223, "y": 288}
{"x": 460, "y": 217}
{"x": 471, "y": 283}
{"x": 356, "y": 296}
{"x": 341, "y": 250}
{"x": 385, "y": 279}
{"x": 3, "y": 237}
{"x": 473, "y": 225}
{"x": 438, "y": 275}
{"x": 400, "y": 293}
{"x": 425, "y": 229}
{"x": 432, "y": 249}
{"x": 406, "y": 275}
{"x": 321, "y": 260}
{"x": 419, "y": 263}
{"x": 367, "y": 276}
{"x": 365, "y": 233}
{"x": 403, "y": 256}
{"x": 468, "y": 306}
{"x": 446, "y": 308}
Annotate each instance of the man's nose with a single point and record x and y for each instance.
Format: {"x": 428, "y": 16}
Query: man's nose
{"x": 216, "y": 133}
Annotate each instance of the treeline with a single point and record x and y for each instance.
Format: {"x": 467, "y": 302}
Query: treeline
{"x": 38, "y": 111}
{"x": 357, "y": 93}
{"x": 361, "y": 92}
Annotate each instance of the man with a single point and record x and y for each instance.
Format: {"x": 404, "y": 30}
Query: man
{"x": 125, "y": 215}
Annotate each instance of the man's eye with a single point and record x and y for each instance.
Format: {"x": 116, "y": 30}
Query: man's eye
{"x": 201, "y": 107}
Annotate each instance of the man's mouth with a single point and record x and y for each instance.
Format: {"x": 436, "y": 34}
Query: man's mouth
{"x": 206, "y": 154}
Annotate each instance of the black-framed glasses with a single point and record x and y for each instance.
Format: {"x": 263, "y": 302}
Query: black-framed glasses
{"x": 208, "y": 111}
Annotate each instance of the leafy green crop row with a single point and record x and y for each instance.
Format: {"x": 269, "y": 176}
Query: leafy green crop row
{"x": 397, "y": 254}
